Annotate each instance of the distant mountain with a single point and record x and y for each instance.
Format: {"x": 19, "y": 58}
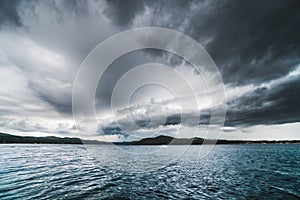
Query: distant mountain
{"x": 7, "y": 138}
{"x": 160, "y": 140}
{"x": 167, "y": 140}
{"x": 164, "y": 140}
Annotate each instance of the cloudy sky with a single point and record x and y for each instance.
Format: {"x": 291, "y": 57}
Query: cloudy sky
{"x": 255, "y": 45}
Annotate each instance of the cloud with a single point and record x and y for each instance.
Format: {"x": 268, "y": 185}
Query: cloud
{"x": 271, "y": 103}
{"x": 253, "y": 39}
{"x": 247, "y": 40}
{"x": 9, "y": 14}
{"x": 254, "y": 44}
{"x": 23, "y": 126}
{"x": 121, "y": 12}
{"x": 152, "y": 118}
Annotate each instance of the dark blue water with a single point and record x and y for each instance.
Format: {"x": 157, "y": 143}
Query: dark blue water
{"x": 227, "y": 172}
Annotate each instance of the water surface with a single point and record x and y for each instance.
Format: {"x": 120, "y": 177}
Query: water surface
{"x": 29, "y": 171}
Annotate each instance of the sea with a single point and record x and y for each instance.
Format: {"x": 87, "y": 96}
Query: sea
{"x": 61, "y": 171}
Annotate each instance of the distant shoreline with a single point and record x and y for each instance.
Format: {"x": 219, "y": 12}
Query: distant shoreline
{"x": 160, "y": 140}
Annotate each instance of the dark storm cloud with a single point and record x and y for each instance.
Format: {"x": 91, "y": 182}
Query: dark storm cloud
{"x": 247, "y": 40}
{"x": 173, "y": 120}
{"x": 60, "y": 102}
{"x": 123, "y": 12}
{"x": 252, "y": 42}
{"x": 63, "y": 106}
{"x": 77, "y": 7}
{"x": 126, "y": 126}
{"x": 112, "y": 129}
{"x": 196, "y": 118}
{"x": 275, "y": 103}
{"x": 266, "y": 106}
{"x": 9, "y": 15}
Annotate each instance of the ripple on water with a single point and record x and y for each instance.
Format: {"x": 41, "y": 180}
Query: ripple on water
{"x": 228, "y": 172}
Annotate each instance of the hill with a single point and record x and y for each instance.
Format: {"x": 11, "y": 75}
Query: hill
{"x": 159, "y": 140}
{"x": 167, "y": 140}
{"x": 7, "y": 138}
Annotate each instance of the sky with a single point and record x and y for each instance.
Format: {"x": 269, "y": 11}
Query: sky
{"x": 254, "y": 44}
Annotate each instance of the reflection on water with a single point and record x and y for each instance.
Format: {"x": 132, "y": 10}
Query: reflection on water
{"x": 71, "y": 172}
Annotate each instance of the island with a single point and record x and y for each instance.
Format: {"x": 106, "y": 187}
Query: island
{"x": 159, "y": 140}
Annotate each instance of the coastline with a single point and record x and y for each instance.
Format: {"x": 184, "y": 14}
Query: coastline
{"x": 159, "y": 140}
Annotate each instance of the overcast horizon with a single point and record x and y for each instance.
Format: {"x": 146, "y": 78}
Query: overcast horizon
{"x": 43, "y": 43}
